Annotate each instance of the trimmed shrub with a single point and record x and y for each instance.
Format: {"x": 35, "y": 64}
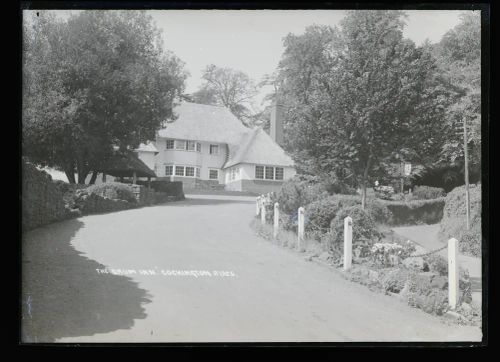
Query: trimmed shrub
{"x": 427, "y": 193}
{"x": 296, "y": 193}
{"x": 364, "y": 228}
{"x": 454, "y": 224}
{"x": 416, "y": 212}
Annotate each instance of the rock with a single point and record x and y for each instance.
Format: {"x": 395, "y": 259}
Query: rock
{"x": 324, "y": 256}
{"x": 373, "y": 275}
{"x": 454, "y": 316}
{"x": 466, "y": 307}
{"x": 414, "y": 263}
{"x": 440, "y": 282}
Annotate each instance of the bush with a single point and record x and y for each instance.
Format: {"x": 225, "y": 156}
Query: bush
{"x": 364, "y": 229}
{"x": 427, "y": 193}
{"x": 454, "y": 225}
{"x": 320, "y": 213}
{"x": 296, "y": 193}
{"x": 112, "y": 190}
{"x": 437, "y": 264}
{"x": 395, "y": 280}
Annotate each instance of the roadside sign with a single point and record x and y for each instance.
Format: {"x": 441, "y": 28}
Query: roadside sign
{"x": 407, "y": 169}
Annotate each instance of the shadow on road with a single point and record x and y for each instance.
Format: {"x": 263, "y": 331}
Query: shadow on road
{"x": 64, "y": 296}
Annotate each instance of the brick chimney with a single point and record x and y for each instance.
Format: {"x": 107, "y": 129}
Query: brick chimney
{"x": 277, "y": 122}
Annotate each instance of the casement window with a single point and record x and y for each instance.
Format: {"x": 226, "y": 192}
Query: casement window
{"x": 214, "y": 149}
{"x": 198, "y": 147}
{"x": 191, "y": 145}
{"x": 278, "y": 173}
{"x": 180, "y": 145}
{"x": 169, "y": 170}
{"x": 170, "y": 144}
{"x": 197, "y": 172}
{"x": 213, "y": 174}
{"x": 189, "y": 171}
{"x": 179, "y": 170}
{"x": 259, "y": 172}
{"x": 269, "y": 173}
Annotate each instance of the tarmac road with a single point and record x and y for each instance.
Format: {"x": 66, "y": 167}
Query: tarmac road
{"x": 241, "y": 288}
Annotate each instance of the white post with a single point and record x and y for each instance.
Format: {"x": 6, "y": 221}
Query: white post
{"x": 347, "y": 243}
{"x": 300, "y": 231}
{"x": 263, "y": 213}
{"x": 453, "y": 275}
{"x": 257, "y": 206}
{"x": 276, "y": 219}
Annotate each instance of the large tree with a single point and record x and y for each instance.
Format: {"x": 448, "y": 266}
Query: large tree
{"x": 229, "y": 88}
{"x": 93, "y": 83}
{"x": 359, "y": 98}
{"x": 459, "y": 59}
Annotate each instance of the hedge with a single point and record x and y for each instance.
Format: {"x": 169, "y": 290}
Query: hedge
{"x": 427, "y": 193}
{"x": 415, "y": 212}
{"x": 454, "y": 224}
{"x": 42, "y": 201}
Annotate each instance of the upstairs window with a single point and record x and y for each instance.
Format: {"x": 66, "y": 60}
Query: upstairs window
{"x": 269, "y": 173}
{"x": 170, "y": 144}
{"x": 259, "y": 172}
{"x": 278, "y": 173}
{"x": 191, "y": 145}
{"x": 198, "y": 147}
{"x": 180, "y": 145}
{"x": 214, "y": 149}
{"x": 213, "y": 174}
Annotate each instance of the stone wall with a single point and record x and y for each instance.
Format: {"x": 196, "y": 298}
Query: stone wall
{"x": 42, "y": 201}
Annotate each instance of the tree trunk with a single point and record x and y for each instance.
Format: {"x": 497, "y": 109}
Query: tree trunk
{"x": 82, "y": 173}
{"x": 69, "y": 170}
{"x": 363, "y": 183}
{"x": 93, "y": 178}
{"x": 70, "y": 174}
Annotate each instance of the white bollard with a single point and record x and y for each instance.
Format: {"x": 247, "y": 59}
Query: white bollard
{"x": 347, "y": 243}
{"x": 453, "y": 273}
{"x": 276, "y": 219}
{"x": 257, "y": 206}
{"x": 300, "y": 231}
{"x": 263, "y": 213}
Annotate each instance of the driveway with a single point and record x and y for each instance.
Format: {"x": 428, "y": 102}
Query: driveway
{"x": 193, "y": 271}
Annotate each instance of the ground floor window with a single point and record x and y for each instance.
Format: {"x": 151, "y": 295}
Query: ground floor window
{"x": 213, "y": 174}
{"x": 184, "y": 171}
{"x": 259, "y": 172}
{"x": 269, "y": 173}
{"x": 179, "y": 170}
{"x": 278, "y": 173}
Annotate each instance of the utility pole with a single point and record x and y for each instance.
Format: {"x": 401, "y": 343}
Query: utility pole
{"x": 466, "y": 172}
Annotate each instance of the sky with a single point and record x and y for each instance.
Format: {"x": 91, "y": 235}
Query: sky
{"x": 251, "y": 40}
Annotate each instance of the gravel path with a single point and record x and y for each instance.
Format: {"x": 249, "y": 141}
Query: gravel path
{"x": 256, "y": 291}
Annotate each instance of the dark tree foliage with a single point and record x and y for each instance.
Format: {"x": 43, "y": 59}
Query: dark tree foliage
{"x": 95, "y": 82}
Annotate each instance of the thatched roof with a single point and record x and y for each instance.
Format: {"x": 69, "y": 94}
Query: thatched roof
{"x": 257, "y": 147}
{"x": 125, "y": 164}
{"x": 204, "y": 123}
